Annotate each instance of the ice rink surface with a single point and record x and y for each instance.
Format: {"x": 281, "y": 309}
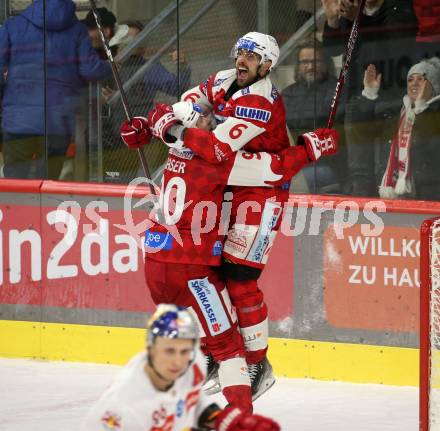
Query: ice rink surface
{"x": 54, "y": 396}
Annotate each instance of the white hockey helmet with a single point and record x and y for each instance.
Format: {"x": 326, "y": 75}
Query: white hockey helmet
{"x": 171, "y": 321}
{"x": 262, "y": 44}
{"x": 187, "y": 113}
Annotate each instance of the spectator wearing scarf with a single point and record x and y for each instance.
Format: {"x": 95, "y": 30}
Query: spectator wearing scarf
{"x": 423, "y": 91}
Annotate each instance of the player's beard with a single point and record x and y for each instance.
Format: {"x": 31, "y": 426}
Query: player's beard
{"x": 248, "y": 80}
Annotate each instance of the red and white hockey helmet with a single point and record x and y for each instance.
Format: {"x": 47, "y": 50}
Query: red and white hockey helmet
{"x": 187, "y": 113}
{"x": 262, "y": 44}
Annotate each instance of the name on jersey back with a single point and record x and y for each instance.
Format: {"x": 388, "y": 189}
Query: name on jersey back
{"x": 176, "y": 166}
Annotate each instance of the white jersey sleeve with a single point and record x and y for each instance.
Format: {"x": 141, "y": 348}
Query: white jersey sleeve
{"x": 253, "y": 169}
{"x": 265, "y": 169}
{"x": 196, "y": 95}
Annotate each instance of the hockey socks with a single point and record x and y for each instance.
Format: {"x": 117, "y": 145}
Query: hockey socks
{"x": 235, "y": 382}
{"x": 252, "y": 317}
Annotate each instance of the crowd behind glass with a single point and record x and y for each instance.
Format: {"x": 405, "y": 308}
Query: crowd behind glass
{"x": 388, "y": 118}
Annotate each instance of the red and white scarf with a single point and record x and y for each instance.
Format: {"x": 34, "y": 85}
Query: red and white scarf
{"x": 397, "y": 180}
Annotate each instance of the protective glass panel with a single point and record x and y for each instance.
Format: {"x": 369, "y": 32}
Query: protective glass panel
{"x": 387, "y": 118}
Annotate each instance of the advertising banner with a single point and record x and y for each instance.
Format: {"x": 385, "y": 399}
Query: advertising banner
{"x": 372, "y": 282}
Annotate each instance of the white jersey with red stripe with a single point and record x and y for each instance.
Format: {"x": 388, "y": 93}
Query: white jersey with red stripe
{"x": 260, "y": 104}
{"x": 132, "y": 403}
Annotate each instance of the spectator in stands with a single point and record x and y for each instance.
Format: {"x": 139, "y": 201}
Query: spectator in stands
{"x": 109, "y": 27}
{"x": 307, "y": 103}
{"x": 140, "y": 95}
{"x": 47, "y": 57}
{"x": 386, "y": 39}
{"x": 414, "y": 158}
{"x": 156, "y": 78}
{"x": 408, "y": 136}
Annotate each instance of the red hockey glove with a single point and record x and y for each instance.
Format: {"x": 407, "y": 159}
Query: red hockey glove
{"x": 160, "y": 119}
{"x": 136, "y": 133}
{"x": 236, "y": 419}
{"x": 224, "y": 108}
{"x": 321, "y": 142}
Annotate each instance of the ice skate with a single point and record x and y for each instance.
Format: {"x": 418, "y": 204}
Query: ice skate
{"x": 262, "y": 378}
{"x": 212, "y": 382}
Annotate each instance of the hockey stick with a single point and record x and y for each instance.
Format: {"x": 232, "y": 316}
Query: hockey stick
{"x": 117, "y": 77}
{"x": 343, "y": 74}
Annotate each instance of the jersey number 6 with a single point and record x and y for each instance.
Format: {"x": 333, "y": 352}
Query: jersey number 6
{"x": 237, "y": 131}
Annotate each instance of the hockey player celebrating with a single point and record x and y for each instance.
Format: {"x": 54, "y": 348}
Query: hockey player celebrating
{"x": 247, "y": 93}
{"x": 160, "y": 389}
{"x": 180, "y": 270}
{"x": 251, "y": 114}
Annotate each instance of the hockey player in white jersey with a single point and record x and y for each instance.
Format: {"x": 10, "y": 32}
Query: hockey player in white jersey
{"x": 161, "y": 389}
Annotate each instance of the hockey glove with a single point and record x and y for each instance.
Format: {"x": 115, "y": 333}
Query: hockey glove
{"x": 321, "y": 142}
{"x": 236, "y": 419}
{"x": 160, "y": 119}
{"x": 225, "y": 108}
{"x": 136, "y": 133}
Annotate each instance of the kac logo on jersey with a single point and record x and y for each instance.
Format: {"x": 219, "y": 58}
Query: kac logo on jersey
{"x": 252, "y": 113}
{"x": 245, "y": 91}
{"x": 219, "y": 81}
{"x": 210, "y": 303}
{"x": 204, "y": 87}
{"x": 274, "y": 93}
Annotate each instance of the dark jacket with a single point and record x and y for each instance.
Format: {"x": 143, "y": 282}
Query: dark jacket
{"x": 68, "y": 61}
{"x": 386, "y": 39}
{"x": 308, "y": 105}
{"x": 307, "y": 108}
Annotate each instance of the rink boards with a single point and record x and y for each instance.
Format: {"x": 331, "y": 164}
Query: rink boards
{"x": 342, "y": 282}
